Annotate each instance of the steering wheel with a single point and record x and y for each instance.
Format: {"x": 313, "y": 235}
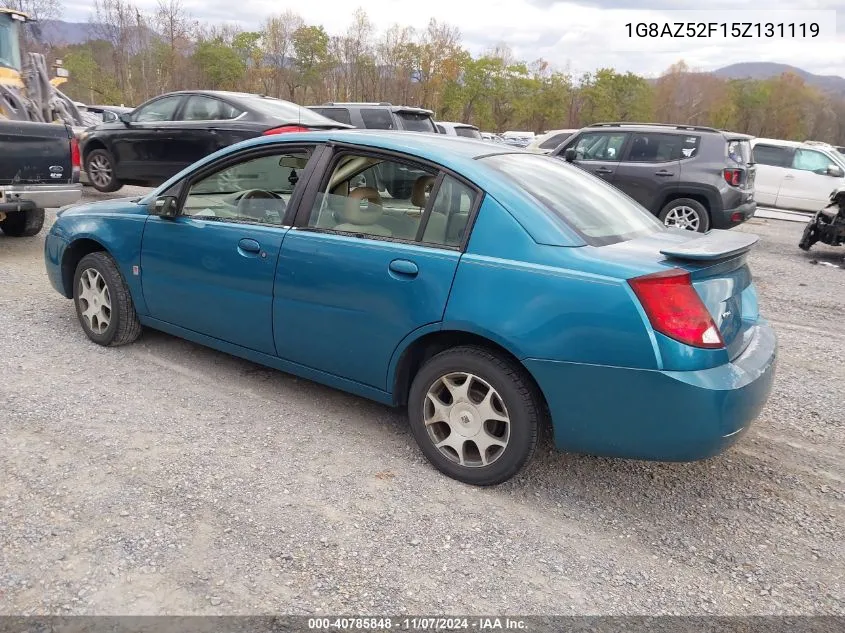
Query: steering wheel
{"x": 244, "y": 209}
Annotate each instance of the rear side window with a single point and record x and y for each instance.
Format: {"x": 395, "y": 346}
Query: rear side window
{"x": 467, "y": 132}
{"x": 598, "y": 211}
{"x": 649, "y": 147}
{"x": 341, "y": 115}
{"x": 772, "y": 155}
{"x": 377, "y": 119}
{"x": 416, "y": 121}
{"x": 739, "y": 151}
{"x": 441, "y": 129}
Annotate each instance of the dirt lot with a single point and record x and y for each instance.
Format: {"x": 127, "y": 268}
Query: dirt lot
{"x": 168, "y": 478}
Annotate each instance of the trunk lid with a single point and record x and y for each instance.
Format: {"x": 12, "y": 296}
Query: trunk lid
{"x": 35, "y": 153}
{"x": 718, "y": 268}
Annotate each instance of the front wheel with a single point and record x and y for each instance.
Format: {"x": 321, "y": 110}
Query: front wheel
{"x": 23, "y": 223}
{"x": 103, "y": 303}
{"x": 686, "y": 213}
{"x": 475, "y": 415}
{"x": 809, "y": 237}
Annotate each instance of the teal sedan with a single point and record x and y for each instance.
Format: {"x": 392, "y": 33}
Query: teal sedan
{"x": 500, "y": 292}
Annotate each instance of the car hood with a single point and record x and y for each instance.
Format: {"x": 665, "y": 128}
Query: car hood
{"x": 116, "y": 206}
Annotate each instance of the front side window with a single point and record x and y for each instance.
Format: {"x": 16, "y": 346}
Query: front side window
{"x": 159, "y": 110}
{"x": 811, "y": 160}
{"x": 366, "y": 195}
{"x": 595, "y": 209}
{"x": 600, "y": 146}
{"x": 377, "y": 118}
{"x": 202, "y": 108}
{"x": 255, "y": 190}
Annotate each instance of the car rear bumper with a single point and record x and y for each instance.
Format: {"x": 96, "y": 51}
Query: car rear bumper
{"x": 657, "y": 415}
{"x": 24, "y": 197}
{"x": 726, "y": 218}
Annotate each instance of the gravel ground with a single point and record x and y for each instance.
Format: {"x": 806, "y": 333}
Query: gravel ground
{"x": 164, "y": 477}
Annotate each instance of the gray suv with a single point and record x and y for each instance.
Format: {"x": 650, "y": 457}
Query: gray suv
{"x": 379, "y": 116}
{"x": 691, "y": 177}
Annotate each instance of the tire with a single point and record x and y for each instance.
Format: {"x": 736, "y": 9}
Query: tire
{"x": 23, "y": 223}
{"x": 689, "y": 210}
{"x": 123, "y": 326}
{"x": 102, "y": 164}
{"x": 809, "y": 237}
{"x": 515, "y": 396}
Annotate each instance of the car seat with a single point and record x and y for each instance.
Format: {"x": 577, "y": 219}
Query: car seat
{"x": 363, "y": 219}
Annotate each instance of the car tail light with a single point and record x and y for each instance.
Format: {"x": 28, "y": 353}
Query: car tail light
{"x": 733, "y": 177}
{"x": 736, "y": 217}
{"x": 674, "y": 308}
{"x": 285, "y": 129}
{"x": 75, "y": 158}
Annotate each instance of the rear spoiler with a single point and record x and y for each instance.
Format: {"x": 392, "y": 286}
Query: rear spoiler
{"x": 712, "y": 246}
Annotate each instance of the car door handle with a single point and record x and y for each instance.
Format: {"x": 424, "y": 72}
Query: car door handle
{"x": 604, "y": 170}
{"x": 404, "y": 267}
{"x": 664, "y": 172}
{"x": 248, "y": 245}
{"x": 789, "y": 177}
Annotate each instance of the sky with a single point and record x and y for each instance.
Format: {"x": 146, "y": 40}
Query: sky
{"x": 575, "y": 37}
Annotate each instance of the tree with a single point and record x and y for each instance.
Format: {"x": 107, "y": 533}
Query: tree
{"x": 311, "y": 56}
{"x": 38, "y": 11}
{"x": 218, "y": 64}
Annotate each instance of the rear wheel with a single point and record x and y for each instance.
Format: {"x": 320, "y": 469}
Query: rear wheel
{"x": 475, "y": 415}
{"x": 23, "y": 223}
{"x": 99, "y": 165}
{"x": 686, "y": 213}
{"x": 103, "y": 303}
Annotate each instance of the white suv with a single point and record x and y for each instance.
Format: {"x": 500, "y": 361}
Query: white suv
{"x": 792, "y": 175}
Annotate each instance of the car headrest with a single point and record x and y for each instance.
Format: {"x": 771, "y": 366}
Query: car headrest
{"x": 419, "y": 196}
{"x": 355, "y": 213}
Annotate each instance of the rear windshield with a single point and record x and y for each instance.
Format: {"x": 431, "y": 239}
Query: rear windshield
{"x": 416, "y": 122}
{"x": 468, "y": 132}
{"x": 739, "y": 151}
{"x": 284, "y": 111}
{"x": 599, "y": 212}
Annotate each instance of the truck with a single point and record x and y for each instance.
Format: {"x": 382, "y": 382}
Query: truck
{"x": 39, "y": 170}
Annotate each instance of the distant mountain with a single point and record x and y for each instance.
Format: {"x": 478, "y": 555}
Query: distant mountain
{"x": 61, "y": 33}
{"x": 765, "y": 70}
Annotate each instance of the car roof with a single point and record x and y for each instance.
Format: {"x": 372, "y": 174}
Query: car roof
{"x": 667, "y": 127}
{"x": 456, "y": 124}
{"x": 782, "y": 143}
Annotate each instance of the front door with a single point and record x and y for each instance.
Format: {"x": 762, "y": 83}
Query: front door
{"x": 211, "y": 268}
{"x": 807, "y": 185}
{"x": 363, "y": 268}
{"x": 773, "y": 165}
{"x": 599, "y": 152}
{"x": 144, "y": 149}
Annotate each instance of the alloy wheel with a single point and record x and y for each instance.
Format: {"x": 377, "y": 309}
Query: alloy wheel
{"x": 94, "y": 300}
{"x": 100, "y": 170}
{"x": 466, "y": 419}
{"x": 683, "y": 217}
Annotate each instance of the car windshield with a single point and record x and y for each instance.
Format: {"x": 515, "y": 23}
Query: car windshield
{"x": 285, "y": 111}
{"x": 467, "y": 132}
{"x": 416, "y": 121}
{"x": 10, "y": 52}
{"x": 599, "y": 212}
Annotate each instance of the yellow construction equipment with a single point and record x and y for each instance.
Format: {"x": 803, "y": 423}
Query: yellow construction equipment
{"x": 27, "y": 93}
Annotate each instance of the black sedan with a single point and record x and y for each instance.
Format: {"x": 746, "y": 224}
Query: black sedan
{"x": 166, "y": 134}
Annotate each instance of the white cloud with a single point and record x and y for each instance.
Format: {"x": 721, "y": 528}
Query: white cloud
{"x": 580, "y": 37}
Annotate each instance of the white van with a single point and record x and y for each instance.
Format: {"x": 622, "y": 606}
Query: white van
{"x": 793, "y": 175}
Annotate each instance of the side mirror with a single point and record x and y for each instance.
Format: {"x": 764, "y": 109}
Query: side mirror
{"x": 570, "y": 154}
{"x": 125, "y": 119}
{"x": 836, "y": 171}
{"x": 166, "y": 207}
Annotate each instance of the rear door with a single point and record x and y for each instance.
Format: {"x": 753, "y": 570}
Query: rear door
{"x": 363, "y": 269}
{"x": 599, "y": 152}
{"x": 773, "y": 165}
{"x": 651, "y": 166}
{"x": 807, "y": 185}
